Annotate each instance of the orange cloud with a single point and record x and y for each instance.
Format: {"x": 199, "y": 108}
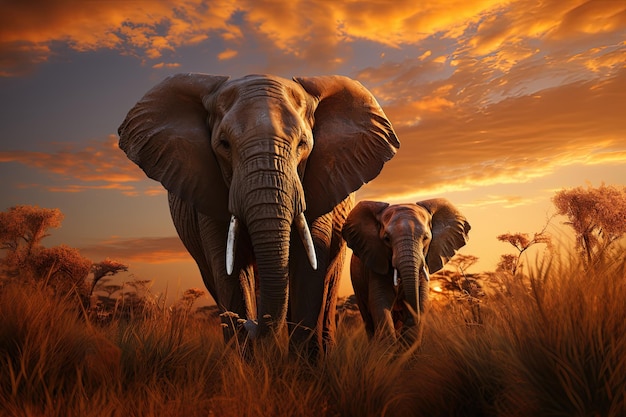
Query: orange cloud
{"x": 99, "y": 166}
{"x": 505, "y": 201}
{"x": 154, "y": 250}
{"x": 493, "y": 93}
{"x": 591, "y": 17}
{"x": 519, "y": 22}
{"x": 510, "y": 141}
{"x": 317, "y": 31}
{"x": 166, "y": 65}
{"x": 97, "y": 162}
{"x": 143, "y": 28}
{"x": 227, "y": 54}
{"x": 74, "y": 188}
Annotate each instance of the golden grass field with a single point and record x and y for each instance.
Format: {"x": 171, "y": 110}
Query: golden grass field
{"x": 551, "y": 344}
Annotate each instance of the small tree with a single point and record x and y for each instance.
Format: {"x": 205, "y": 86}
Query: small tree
{"x": 63, "y": 268}
{"x": 597, "y": 215}
{"x": 464, "y": 287}
{"x": 106, "y": 268}
{"x": 452, "y": 281}
{"x": 189, "y": 297}
{"x": 522, "y": 242}
{"x": 109, "y": 289}
{"x": 463, "y": 262}
{"x": 21, "y": 230}
{"x": 508, "y": 263}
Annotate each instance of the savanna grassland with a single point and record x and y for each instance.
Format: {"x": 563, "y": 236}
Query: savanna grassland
{"x": 551, "y": 343}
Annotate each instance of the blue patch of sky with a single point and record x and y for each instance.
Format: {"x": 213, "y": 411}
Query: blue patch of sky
{"x": 78, "y": 97}
{"x": 251, "y": 56}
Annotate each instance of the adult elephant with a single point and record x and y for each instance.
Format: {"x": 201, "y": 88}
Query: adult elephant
{"x": 395, "y": 247}
{"x": 268, "y": 166}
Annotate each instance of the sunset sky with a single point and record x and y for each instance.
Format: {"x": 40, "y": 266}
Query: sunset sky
{"x": 497, "y": 105}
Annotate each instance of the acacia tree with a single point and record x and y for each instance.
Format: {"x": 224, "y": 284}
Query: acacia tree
{"x": 189, "y": 297}
{"x": 62, "y": 268}
{"x": 106, "y": 268}
{"x": 522, "y": 242}
{"x": 21, "y": 230}
{"x": 597, "y": 215}
{"x": 463, "y": 287}
{"x": 458, "y": 280}
{"x": 463, "y": 262}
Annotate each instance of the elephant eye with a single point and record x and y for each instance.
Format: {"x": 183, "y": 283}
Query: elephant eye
{"x": 224, "y": 143}
{"x": 303, "y": 143}
{"x": 387, "y": 239}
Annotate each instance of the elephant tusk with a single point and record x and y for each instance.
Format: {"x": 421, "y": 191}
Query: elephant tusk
{"x": 395, "y": 277}
{"x": 231, "y": 244}
{"x": 305, "y": 235}
{"x": 426, "y": 274}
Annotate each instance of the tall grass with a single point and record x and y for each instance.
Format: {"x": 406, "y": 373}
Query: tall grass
{"x": 553, "y": 344}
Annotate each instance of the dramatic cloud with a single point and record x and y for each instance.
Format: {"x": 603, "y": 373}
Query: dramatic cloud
{"x": 480, "y": 91}
{"x": 505, "y": 201}
{"x": 99, "y": 166}
{"x": 513, "y": 140}
{"x": 448, "y": 141}
{"x": 148, "y": 250}
{"x": 28, "y": 30}
{"x": 313, "y": 31}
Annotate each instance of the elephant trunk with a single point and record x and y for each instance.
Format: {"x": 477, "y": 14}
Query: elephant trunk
{"x": 269, "y": 200}
{"x": 409, "y": 262}
{"x": 270, "y": 239}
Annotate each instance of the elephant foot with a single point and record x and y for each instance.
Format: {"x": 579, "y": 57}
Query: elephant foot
{"x": 252, "y": 329}
{"x": 233, "y": 325}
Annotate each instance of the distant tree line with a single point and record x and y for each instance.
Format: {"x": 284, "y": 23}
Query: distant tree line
{"x": 597, "y": 217}
{"x": 64, "y": 271}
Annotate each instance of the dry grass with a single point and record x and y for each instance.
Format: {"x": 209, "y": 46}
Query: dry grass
{"x": 553, "y": 345}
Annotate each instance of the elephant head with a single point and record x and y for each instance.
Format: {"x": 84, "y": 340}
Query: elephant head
{"x": 260, "y": 152}
{"x": 400, "y": 245}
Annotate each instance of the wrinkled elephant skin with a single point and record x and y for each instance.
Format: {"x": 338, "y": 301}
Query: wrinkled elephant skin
{"x": 395, "y": 248}
{"x": 260, "y": 173}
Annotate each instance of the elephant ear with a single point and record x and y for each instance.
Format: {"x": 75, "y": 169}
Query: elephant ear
{"x": 449, "y": 232}
{"x": 362, "y": 234}
{"x": 352, "y": 141}
{"x": 167, "y": 135}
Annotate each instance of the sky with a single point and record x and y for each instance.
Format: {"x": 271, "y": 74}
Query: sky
{"x": 497, "y": 105}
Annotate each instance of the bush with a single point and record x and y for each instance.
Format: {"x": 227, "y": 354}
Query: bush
{"x": 553, "y": 344}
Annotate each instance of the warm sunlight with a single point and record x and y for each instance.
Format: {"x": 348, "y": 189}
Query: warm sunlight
{"x": 496, "y": 105}
{"x": 126, "y": 131}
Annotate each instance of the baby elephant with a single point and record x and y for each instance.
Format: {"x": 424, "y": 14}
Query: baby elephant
{"x": 395, "y": 247}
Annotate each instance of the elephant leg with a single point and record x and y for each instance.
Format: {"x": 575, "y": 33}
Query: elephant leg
{"x": 185, "y": 220}
{"x": 337, "y": 258}
{"x": 329, "y": 320}
{"x": 234, "y": 294}
{"x": 308, "y": 288}
{"x": 205, "y": 240}
{"x": 381, "y": 297}
{"x": 361, "y": 291}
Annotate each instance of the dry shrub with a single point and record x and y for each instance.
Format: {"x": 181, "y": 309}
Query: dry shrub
{"x": 552, "y": 344}
{"x": 570, "y": 346}
{"x": 49, "y": 357}
{"x": 555, "y": 345}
